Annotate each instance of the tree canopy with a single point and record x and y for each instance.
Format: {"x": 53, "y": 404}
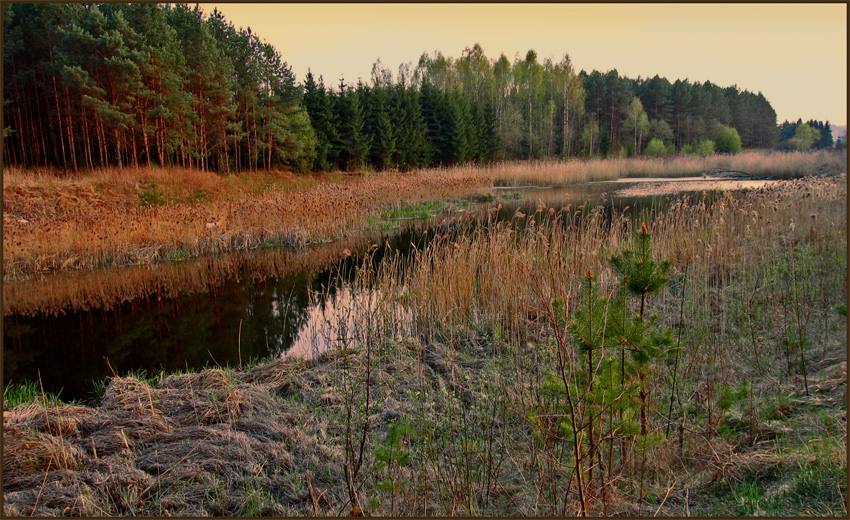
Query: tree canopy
{"x": 90, "y": 85}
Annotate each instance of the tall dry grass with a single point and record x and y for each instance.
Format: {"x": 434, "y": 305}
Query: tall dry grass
{"x": 781, "y": 165}
{"x": 470, "y": 385}
{"x": 495, "y": 270}
{"x": 749, "y": 272}
{"x": 96, "y": 219}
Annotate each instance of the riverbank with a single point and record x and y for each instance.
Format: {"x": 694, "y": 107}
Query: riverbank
{"x": 745, "y": 404}
{"x": 143, "y": 216}
{"x": 130, "y": 217}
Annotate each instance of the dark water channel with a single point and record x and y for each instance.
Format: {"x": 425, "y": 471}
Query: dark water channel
{"x": 240, "y": 316}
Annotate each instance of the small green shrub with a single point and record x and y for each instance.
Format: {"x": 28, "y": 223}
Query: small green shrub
{"x": 198, "y": 197}
{"x": 727, "y": 139}
{"x": 655, "y": 148}
{"x": 151, "y": 195}
{"x": 705, "y": 148}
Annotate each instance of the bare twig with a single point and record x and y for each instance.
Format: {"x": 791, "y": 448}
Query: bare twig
{"x": 669, "y": 489}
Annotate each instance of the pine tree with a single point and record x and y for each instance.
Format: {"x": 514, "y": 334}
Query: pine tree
{"x": 411, "y": 146}
{"x": 319, "y": 105}
{"x": 641, "y": 275}
{"x": 353, "y": 142}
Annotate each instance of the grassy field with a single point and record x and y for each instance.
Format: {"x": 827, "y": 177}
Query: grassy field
{"x": 128, "y": 217}
{"x": 142, "y": 216}
{"x": 531, "y": 386}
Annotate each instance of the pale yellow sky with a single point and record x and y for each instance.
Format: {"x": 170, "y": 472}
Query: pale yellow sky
{"x": 795, "y": 54}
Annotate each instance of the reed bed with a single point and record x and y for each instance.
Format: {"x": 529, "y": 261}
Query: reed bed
{"x": 139, "y": 216}
{"x": 750, "y": 273}
{"x": 780, "y": 165}
{"x": 95, "y": 220}
{"x": 459, "y": 415}
{"x": 733, "y": 234}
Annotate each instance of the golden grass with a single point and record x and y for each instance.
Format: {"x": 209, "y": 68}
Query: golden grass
{"x": 759, "y": 164}
{"x": 96, "y": 219}
{"x": 493, "y": 272}
{"x": 471, "y": 376}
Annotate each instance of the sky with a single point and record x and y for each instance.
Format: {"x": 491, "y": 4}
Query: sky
{"x": 795, "y": 54}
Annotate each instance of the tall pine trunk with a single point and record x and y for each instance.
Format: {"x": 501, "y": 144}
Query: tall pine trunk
{"x": 59, "y": 119}
{"x": 70, "y": 129}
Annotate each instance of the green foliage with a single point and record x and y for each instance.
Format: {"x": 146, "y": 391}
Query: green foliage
{"x": 150, "y": 195}
{"x": 393, "y": 455}
{"x": 170, "y": 85}
{"x": 255, "y": 498}
{"x": 596, "y": 398}
{"x": 198, "y": 197}
{"x": 415, "y": 211}
{"x": 177, "y": 255}
{"x": 641, "y": 274}
{"x": 660, "y": 129}
{"x": 726, "y": 139}
{"x": 655, "y": 148}
{"x": 730, "y": 396}
{"x": 589, "y": 320}
{"x": 636, "y": 124}
{"x": 25, "y": 393}
{"x": 393, "y": 451}
{"x": 705, "y": 147}
{"x": 98, "y": 389}
{"x": 805, "y": 136}
{"x": 814, "y": 486}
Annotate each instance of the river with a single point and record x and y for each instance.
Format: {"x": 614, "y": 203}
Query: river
{"x": 71, "y": 329}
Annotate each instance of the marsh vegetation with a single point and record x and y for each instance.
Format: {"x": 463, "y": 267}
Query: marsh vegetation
{"x": 407, "y": 296}
{"x": 553, "y": 363}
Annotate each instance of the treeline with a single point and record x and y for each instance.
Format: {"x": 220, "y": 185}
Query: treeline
{"x": 396, "y": 124}
{"x": 805, "y": 136}
{"x": 446, "y": 111}
{"x": 89, "y": 85}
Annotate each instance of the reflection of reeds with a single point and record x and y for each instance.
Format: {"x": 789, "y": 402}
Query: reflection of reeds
{"x": 83, "y": 289}
{"x": 351, "y": 315}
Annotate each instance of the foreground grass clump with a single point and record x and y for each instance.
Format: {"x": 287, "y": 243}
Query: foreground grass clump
{"x": 738, "y": 406}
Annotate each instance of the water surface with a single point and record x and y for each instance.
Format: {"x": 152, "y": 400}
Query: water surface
{"x": 229, "y": 309}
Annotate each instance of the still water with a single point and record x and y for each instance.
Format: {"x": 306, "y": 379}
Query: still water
{"x": 241, "y": 306}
